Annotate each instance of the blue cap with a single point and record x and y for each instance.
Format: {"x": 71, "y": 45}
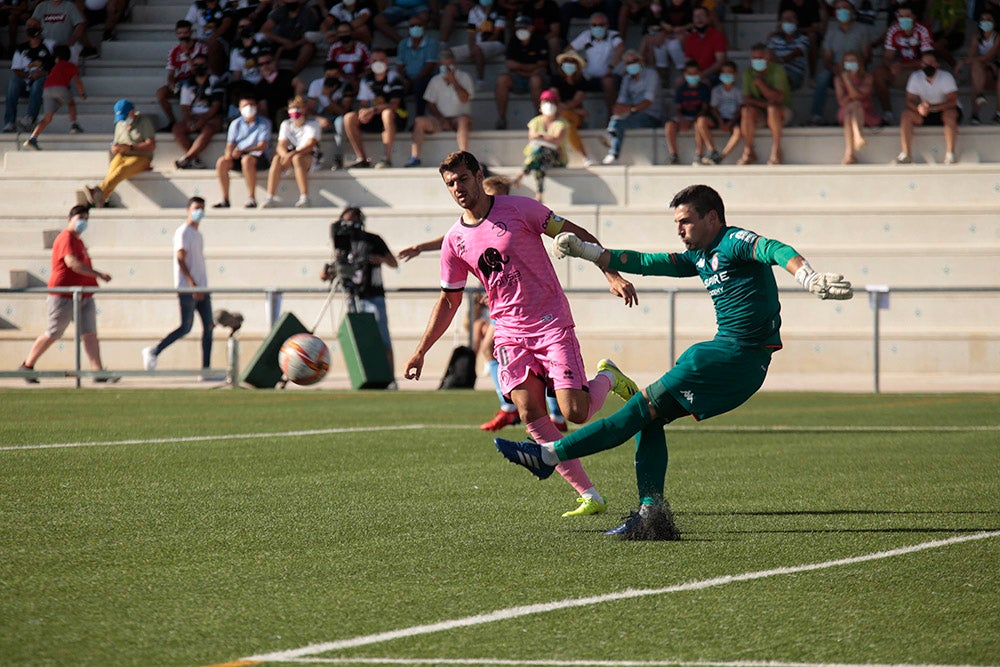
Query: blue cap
{"x": 122, "y": 109}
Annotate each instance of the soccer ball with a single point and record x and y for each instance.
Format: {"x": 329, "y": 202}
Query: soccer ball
{"x": 304, "y": 359}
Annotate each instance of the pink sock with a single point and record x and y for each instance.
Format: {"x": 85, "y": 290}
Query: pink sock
{"x": 599, "y": 387}
{"x": 544, "y": 431}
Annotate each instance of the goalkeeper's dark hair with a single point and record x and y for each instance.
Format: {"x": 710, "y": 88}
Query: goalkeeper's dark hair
{"x": 702, "y": 199}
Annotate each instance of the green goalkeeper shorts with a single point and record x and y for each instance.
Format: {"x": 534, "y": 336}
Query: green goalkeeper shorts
{"x": 711, "y": 378}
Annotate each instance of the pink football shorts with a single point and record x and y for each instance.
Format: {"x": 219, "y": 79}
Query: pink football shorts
{"x": 553, "y": 356}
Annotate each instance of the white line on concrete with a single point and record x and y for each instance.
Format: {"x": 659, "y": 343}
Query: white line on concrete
{"x": 411, "y": 427}
{"x": 527, "y": 610}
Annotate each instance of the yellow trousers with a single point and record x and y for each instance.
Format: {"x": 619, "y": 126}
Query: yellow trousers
{"x": 574, "y": 120}
{"x": 123, "y": 167}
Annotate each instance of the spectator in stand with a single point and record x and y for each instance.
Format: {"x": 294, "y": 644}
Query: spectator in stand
{"x": 286, "y": 29}
{"x": 243, "y": 59}
{"x": 691, "y": 100}
{"x": 62, "y": 23}
{"x": 809, "y": 17}
{"x": 724, "y": 114}
{"x": 417, "y": 56}
{"x": 585, "y": 9}
{"x": 639, "y": 104}
{"x": 706, "y": 45}
{"x": 178, "y": 69}
{"x": 983, "y": 63}
{"x": 931, "y": 99}
{"x": 546, "y": 21}
{"x": 28, "y": 68}
{"x": 12, "y": 14}
{"x": 634, "y": 11}
{"x": 131, "y": 149}
{"x": 202, "y": 110}
{"x": 246, "y": 150}
{"x": 663, "y": 42}
{"x": 58, "y": 91}
{"x": 398, "y": 11}
{"x": 453, "y": 13}
{"x": 254, "y": 11}
{"x": 448, "y": 98}
{"x": 328, "y": 99}
{"x": 380, "y": 99}
{"x": 602, "y": 51}
{"x": 107, "y": 12}
{"x": 789, "y": 46}
{"x": 547, "y": 143}
{"x": 358, "y": 14}
{"x": 486, "y": 38}
{"x": 275, "y": 88}
{"x": 842, "y": 35}
{"x": 71, "y": 267}
{"x": 211, "y": 22}
{"x": 856, "y": 107}
{"x": 767, "y": 99}
{"x": 527, "y": 65}
{"x": 947, "y": 19}
{"x": 297, "y": 149}
{"x": 572, "y": 92}
{"x": 353, "y": 56}
{"x": 905, "y": 41}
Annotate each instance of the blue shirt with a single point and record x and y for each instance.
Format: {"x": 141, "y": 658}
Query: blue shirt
{"x": 244, "y": 135}
{"x": 414, "y": 59}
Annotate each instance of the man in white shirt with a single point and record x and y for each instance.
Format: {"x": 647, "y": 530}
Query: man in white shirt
{"x": 602, "y": 49}
{"x": 189, "y": 271}
{"x": 931, "y": 99}
{"x": 448, "y": 98}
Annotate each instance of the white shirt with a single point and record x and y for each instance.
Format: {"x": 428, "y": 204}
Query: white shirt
{"x": 598, "y": 52}
{"x": 298, "y": 135}
{"x": 188, "y": 238}
{"x": 445, "y": 97}
{"x": 934, "y": 91}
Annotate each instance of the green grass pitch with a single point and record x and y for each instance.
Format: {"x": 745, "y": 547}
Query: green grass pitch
{"x": 214, "y": 526}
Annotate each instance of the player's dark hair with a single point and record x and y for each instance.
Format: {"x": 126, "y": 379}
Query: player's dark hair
{"x": 702, "y": 199}
{"x": 453, "y": 160}
{"x": 196, "y": 200}
{"x": 79, "y": 209}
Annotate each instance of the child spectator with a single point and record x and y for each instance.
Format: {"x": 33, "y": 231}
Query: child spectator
{"x": 56, "y": 92}
{"x": 724, "y": 114}
{"x": 691, "y": 99}
{"x": 297, "y": 149}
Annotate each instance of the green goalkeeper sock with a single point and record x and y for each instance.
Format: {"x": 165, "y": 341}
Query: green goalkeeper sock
{"x": 606, "y": 433}
{"x": 651, "y": 463}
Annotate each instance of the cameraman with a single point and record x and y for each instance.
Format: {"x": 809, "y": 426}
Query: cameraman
{"x": 358, "y": 259}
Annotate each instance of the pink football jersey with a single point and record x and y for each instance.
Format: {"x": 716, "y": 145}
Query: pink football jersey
{"x": 505, "y": 252}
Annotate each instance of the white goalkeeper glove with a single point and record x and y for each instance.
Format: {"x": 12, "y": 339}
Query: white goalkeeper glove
{"x": 569, "y": 244}
{"x": 824, "y": 285}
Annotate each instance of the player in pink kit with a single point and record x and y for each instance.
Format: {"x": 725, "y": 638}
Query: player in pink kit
{"x": 498, "y": 239}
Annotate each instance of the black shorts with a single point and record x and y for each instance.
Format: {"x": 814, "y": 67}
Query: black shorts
{"x": 263, "y": 163}
{"x": 934, "y": 118}
{"x": 375, "y": 125}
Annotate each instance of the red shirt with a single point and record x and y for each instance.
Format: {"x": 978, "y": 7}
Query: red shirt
{"x": 68, "y": 243}
{"x": 61, "y": 75}
{"x": 703, "y": 47}
{"x": 353, "y": 61}
{"x": 908, "y": 48}
{"x": 179, "y": 60}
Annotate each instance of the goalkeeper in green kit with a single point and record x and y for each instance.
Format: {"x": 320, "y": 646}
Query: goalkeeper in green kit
{"x": 710, "y": 378}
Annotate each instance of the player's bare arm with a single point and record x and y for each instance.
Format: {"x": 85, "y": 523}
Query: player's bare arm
{"x": 442, "y": 315}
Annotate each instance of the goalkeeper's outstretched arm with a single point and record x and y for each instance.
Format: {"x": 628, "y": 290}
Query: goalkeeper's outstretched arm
{"x": 575, "y": 241}
{"x": 823, "y": 285}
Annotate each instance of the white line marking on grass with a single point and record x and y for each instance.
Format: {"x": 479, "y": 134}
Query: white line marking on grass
{"x": 600, "y": 663}
{"x": 473, "y": 427}
{"x": 527, "y": 610}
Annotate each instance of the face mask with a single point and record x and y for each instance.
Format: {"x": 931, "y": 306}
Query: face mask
{"x": 851, "y": 66}
{"x": 249, "y": 112}
{"x": 185, "y": 40}
{"x": 788, "y": 27}
{"x": 379, "y": 67}
{"x": 523, "y": 34}
{"x": 295, "y": 114}
{"x": 633, "y": 68}
{"x": 416, "y": 31}
{"x": 548, "y": 109}
{"x": 80, "y": 226}
{"x": 598, "y": 31}
{"x": 986, "y": 26}
{"x": 906, "y": 23}
{"x": 331, "y": 82}
{"x": 197, "y": 215}
{"x": 692, "y": 79}
{"x": 929, "y": 71}
{"x": 201, "y": 70}
{"x": 444, "y": 69}
{"x": 246, "y": 34}
{"x": 34, "y": 32}
{"x": 486, "y": 3}
{"x": 727, "y": 78}
{"x": 758, "y": 64}
{"x": 844, "y": 15}
{"x": 701, "y": 28}
{"x": 568, "y": 68}
{"x": 344, "y": 39}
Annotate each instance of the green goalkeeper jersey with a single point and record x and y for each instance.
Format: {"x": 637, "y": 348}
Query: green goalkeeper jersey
{"x": 737, "y": 273}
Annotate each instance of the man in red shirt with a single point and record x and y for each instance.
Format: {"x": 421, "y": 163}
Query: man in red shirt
{"x": 706, "y": 45}
{"x": 71, "y": 267}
